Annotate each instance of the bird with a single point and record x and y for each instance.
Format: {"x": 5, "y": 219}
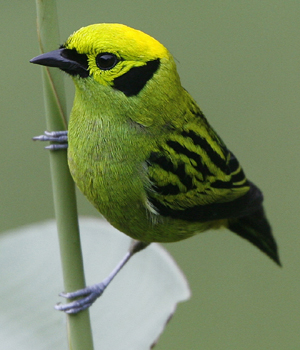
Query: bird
{"x": 143, "y": 153}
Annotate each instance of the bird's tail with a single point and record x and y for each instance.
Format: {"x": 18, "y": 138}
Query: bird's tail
{"x": 256, "y": 229}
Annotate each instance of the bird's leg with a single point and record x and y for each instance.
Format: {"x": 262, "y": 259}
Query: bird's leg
{"x": 91, "y": 293}
{"x": 54, "y": 136}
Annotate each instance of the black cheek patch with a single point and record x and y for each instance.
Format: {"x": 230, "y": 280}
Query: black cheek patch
{"x": 132, "y": 82}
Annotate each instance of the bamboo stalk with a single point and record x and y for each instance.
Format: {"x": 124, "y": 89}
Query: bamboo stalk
{"x": 79, "y": 328}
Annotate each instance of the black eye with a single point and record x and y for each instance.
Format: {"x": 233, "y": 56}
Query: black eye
{"x": 106, "y": 61}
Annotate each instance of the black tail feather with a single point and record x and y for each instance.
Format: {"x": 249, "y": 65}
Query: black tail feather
{"x": 256, "y": 229}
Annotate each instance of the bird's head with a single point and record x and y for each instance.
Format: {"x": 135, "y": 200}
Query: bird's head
{"x": 114, "y": 56}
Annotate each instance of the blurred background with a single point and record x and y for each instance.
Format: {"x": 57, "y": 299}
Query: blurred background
{"x": 240, "y": 61}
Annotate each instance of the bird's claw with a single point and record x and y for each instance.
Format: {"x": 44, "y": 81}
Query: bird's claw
{"x": 54, "y": 136}
{"x": 88, "y": 294}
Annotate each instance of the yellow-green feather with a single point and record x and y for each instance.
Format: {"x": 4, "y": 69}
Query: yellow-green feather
{"x": 151, "y": 163}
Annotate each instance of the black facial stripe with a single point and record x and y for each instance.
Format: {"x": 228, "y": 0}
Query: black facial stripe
{"x": 132, "y": 82}
{"x": 80, "y": 63}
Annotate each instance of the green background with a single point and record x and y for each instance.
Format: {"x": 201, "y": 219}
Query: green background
{"x": 240, "y": 61}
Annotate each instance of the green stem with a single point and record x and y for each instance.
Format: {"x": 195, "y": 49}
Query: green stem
{"x": 79, "y": 329}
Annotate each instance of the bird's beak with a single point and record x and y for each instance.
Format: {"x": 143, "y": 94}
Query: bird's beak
{"x": 67, "y": 60}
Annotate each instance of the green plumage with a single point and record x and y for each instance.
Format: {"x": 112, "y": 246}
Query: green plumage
{"x": 141, "y": 150}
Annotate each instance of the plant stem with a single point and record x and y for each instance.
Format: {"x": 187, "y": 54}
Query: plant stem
{"x": 79, "y": 329}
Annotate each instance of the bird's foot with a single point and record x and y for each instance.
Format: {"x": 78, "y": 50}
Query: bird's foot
{"x": 90, "y": 294}
{"x": 88, "y": 297}
{"x": 54, "y": 136}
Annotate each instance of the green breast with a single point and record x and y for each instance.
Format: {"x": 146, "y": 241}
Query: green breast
{"x": 108, "y": 169}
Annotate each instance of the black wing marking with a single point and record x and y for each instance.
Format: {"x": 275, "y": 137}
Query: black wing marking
{"x": 196, "y": 178}
{"x": 239, "y": 207}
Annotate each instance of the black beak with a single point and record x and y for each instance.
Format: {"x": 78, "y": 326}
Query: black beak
{"x": 67, "y": 60}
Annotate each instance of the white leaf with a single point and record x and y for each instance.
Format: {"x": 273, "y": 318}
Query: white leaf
{"x": 132, "y": 312}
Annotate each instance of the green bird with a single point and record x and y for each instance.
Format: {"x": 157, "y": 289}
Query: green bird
{"x": 141, "y": 150}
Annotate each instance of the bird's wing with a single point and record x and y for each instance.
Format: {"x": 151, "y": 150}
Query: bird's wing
{"x": 195, "y": 177}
